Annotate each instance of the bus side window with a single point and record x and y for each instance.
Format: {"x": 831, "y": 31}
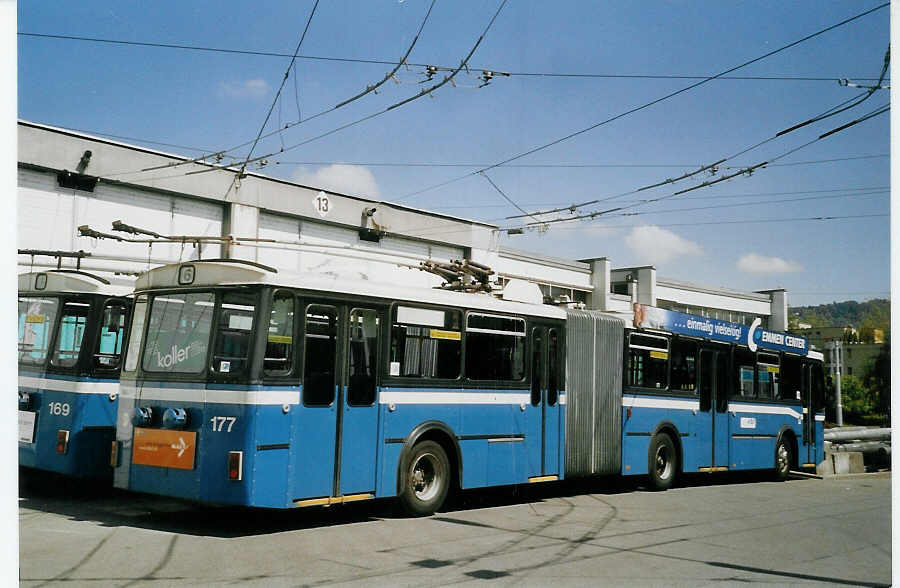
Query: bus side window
{"x": 112, "y": 335}
{"x": 706, "y": 379}
{"x": 72, "y": 324}
{"x": 648, "y": 361}
{"x": 363, "y": 357}
{"x": 791, "y": 383}
{"x": 495, "y": 347}
{"x": 745, "y": 372}
{"x": 536, "y": 377}
{"x": 279, "y": 355}
{"x": 235, "y": 333}
{"x": 133, "y": 350}
{"x": 425, "y": 343}
{"x": 320, "y": 348}
{"x": 767, "y": 372}
{"x": 553, "y": 368}
{"x": 818, "y": 388}
{"x": 37, "y": 317}
{"x": 721, "y": 382}
{"x": 684, "y": 366}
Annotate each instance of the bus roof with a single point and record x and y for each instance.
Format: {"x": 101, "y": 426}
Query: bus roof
{"x": 235, "y": 273}
{"x": 68, "y": 281}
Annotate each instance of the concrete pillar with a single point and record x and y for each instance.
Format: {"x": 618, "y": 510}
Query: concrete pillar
{"x": 778, "y": 317}
{"x": 243, "y": 221}
{"x": 601, "y": 284}
{"x": 646, "y": 279}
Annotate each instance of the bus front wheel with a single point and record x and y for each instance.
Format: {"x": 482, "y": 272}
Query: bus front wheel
{"x": 663, "y": 464}
{"x": 426, "y": 479}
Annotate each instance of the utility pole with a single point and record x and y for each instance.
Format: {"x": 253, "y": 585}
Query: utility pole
{"x": 837, "y": 352}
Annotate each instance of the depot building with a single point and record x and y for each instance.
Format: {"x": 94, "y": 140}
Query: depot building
{"x": 73, "y": 186}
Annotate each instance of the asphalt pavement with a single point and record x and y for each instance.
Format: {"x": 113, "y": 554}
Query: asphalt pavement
{"x": 710, "y": 531}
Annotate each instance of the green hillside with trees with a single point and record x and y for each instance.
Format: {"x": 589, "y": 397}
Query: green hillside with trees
{"x": 872, "y": 314}
{"x": 865, "y": 397}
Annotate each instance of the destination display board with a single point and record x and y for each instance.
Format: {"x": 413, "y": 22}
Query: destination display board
{"x": 651, "y": 317}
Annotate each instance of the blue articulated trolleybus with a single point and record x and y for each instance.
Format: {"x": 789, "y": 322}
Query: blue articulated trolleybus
{"x": 71, "y": 331}
{"x": 241, "y": 386}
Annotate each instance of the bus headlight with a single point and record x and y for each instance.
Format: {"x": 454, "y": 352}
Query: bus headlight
{"x": 174, "y": 418}
{"x": 142, "y": 416}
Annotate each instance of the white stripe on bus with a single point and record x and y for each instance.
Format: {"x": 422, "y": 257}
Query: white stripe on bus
{"x": 677, "y": 404}
{"x": 69, "y": 385}
{"x": 248, "y": 397}
{"x": 758, "y": 408}
{"x": 397, "y": 397}
{"x": 636, "y": 402}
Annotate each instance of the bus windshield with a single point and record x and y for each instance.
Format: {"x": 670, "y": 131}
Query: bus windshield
{"x": 178, "y": 333}
{"x": 37, "y": 317}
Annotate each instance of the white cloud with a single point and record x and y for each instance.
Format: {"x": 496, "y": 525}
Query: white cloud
{"x": 654, "y": 245}
{"x": 755, "y": 263}
{"x": 256, "y": 88}
{"x": 345, "y": 179}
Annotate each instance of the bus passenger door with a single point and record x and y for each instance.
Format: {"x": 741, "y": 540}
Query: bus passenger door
{"x": 315, "y": 435}
{"x": 545, "y": 396}
{"x": 712, "y": 426}
{"x": 812, "y": 392}
{"x": 358, "y": 419}
{"x": 705, "y": 417}
{"x": 721, "y": 432}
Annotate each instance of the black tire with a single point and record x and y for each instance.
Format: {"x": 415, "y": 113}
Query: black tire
{"x": 662, "y": 462}
{"x": 426, "y": 479}
{"x": 784, "y": 458}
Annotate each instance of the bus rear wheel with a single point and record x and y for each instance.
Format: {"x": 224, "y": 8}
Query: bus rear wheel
{"x": 783, "y": 459}
{"x": 663, "y": 464}
{"x": 426, "y": 479}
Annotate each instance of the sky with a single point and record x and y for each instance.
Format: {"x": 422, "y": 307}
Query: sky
{"x": 603, "y": 98}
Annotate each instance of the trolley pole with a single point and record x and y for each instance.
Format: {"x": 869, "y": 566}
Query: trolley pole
{"x": 838, "y": 357}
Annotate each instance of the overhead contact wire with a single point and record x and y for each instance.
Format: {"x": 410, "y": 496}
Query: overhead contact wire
{"x": 649, "y": 104}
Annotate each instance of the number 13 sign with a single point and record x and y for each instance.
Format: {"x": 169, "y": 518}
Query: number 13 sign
{"x": 322, "y": 204}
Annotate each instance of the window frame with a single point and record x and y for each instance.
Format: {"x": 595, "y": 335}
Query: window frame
{"x": 523, "y": 334}
{"x": 697, "y": 347}
{"x": 352, "y": 309}
{"x": 419, "y": 381}
{"x": 124, "y": 326}
{"x": 773, "y": 396}
{"x": 336, "y": 366}
{"x": 202, "y": 374}
{"x": 44, "y": 363}
{"x": 786, "y": 361}
{"x": 628, "y": 384}
{"x": 292, "y": 374}
{"x": 88, "y": 316}
{"x": 736, "y": 392}
{"x": 216, "y": 334}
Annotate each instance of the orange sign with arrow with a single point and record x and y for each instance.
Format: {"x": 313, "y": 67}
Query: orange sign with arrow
{"x": 164, "y": 448}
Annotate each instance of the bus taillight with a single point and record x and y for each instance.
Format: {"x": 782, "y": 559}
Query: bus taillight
{"x": 62, "y": 441}
{"x": 114, "y": 455}
{"x": 235, "y": 465}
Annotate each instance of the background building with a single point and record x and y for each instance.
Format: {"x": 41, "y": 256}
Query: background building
{"x": 71, "y": 184}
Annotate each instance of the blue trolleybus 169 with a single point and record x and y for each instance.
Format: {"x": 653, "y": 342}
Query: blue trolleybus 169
{"x": 71, "y": 331}
{"x": 244, "y": 387}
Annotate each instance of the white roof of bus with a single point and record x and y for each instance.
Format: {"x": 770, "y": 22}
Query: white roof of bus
{"x": 221, "y": 273}
{"x": 70, "y": 282}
